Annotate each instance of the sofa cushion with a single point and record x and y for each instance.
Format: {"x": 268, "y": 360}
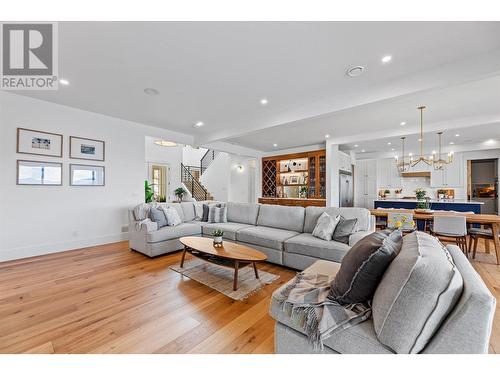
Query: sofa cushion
{"x": 245, "y": 213}
{"x": 171, "y": 233}
{"x": 313, "y": 213}
{"x": 229, "y": 229}
{"x": 217, "y": 214}
{"x": 188, "y": 212}
{"x": 265, "y": 236}
{"x": 344, "y": 229}
{"x": 177, "y": 207}
{"x": 359, "y": 338}
{"x": 158, "y": 216}
{"x": 325, "y": 226}
{"x": 281, "y": 217}
{"x": 418, "y": 290}
{"x": 172, "y": 215}
{"x": 307, "y": 244}
{"x": 364, "y": 265}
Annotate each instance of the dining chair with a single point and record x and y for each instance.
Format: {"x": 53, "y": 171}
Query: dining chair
{"x": 451, "y": 229}
{"x": 477, "y": 233}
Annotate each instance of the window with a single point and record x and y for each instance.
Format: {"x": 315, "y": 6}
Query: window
{"x": 159, "y": 181}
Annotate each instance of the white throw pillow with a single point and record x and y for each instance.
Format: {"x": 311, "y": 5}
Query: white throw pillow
{"x": 217, "y": 214}
{"x": 198, "y": 211}
{"x": 325, "y": 226}
{"x": 172, "y": 216}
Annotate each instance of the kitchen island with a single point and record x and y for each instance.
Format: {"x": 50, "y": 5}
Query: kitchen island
{"x": 437, "y": 205}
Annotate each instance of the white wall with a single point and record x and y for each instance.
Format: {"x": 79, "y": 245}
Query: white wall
{"x": 242, "y": 180}
{"x": 192, "y": 156}
{"x": 42, "y": 219}
{"x": 217, "y": 177}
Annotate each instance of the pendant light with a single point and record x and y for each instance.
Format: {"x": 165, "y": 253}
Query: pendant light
{"x": 421, "y": 158}
{"x": 402, "y": 165}
{"x": 439, "y": 163}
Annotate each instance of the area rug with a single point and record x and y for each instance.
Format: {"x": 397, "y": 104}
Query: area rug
{"x": 221, "y": 278}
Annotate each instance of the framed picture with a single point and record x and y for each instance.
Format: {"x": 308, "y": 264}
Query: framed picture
{"x": 294, "y": 179}
{"x": 39, "y": 173}
{"x": 37, "y": 142}
{"x": 86, "y": 175}
{"x": 86, "y": 149}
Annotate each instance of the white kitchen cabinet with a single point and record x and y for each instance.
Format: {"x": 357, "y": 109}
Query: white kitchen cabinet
{"x": 365, "y": 183}
{"x": 450, "y": 176}
{"x": 387, "y": 174}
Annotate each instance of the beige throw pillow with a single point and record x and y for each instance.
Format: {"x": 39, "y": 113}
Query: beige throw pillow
{"x": 172, "y": 216}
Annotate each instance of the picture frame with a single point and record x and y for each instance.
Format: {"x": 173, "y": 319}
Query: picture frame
{"x": 39, "y": 173}
{"x": 37, "y": 142}
{"x": 86, "y": 175}
{"x": 86, "y": 149}
{"x": 294, "y": 180}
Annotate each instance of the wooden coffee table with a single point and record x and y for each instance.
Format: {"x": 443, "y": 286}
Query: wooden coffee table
{"x": 230, "y": 255}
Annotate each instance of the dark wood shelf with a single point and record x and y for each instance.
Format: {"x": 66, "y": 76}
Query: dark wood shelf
{"x": 298, "y": 171}
{"x": 291, "y": 184}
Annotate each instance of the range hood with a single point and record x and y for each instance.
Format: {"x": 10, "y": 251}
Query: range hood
{"x": 416, "y": 174}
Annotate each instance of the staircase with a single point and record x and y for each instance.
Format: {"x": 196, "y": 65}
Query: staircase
{"x": 207, "y": 159}
{"x": 190, "y": 177}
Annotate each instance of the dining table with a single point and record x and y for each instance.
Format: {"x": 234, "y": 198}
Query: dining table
{"x": 486, "y": 220}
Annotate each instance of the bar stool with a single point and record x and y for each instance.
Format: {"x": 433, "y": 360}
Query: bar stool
{"x": 451, "y": 229}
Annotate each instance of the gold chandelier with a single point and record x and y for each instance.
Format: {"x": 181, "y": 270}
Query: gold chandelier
{"x": 421, "y": 158}
{"x": 439, "y": 163}
{"x": 402, "y": 165}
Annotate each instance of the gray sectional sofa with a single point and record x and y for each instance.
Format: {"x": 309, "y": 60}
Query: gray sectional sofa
{"x": 282, "y": 233}
{"x": 425, "y": 303}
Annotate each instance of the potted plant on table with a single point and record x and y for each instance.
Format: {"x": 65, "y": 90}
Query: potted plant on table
{"x": 387, "y": 193}
{"x": 423, "y": 202}
{"x": 148, "y": 192}
{"x": 179, "y": 193}
{"x": 217, "y": 234}
{"x": 398, "y": 193}
{"x": 303, "y": 192}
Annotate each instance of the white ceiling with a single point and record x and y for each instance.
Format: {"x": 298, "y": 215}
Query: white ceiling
{"x": 217, "y": 72}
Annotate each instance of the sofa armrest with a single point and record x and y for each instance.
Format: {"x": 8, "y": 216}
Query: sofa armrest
{"x": 356, "y": 236}
{"x": 373, "y": 223}
{"x": 145, "y": 226}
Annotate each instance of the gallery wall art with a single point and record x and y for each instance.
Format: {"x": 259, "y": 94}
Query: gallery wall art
{"x": 36, "y": 142}
{"x": 86, "y": 149}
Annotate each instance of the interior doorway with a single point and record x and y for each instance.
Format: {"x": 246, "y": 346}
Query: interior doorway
{"x": 482, "y": 184}
{"x": 159, "y": 177}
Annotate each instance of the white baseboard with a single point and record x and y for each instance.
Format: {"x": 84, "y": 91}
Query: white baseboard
{"x": 31, "y": 251}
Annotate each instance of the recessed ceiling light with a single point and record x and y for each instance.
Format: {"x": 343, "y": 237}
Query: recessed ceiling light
{"x": 457, "y": 135}
{"x": 490, "y": 141}
{"x": 327, "y": 136}
{"x": 392, "y": 149}
{"x": 402, "y": 123}
{"x": 452, "y": 143}
{"x": 420, "y": 139}
{"x": 164, "y": 143}
{"x": 410, "y": 154}
{"x": 389, "y": 143}
{"x": 264, "y": 101}
{"x": 64, "y": 82}
{"x": 275, "y": 145}
{"x": 356, "y": 145}
{"x": 386, "y": 59}
{"x": 199, "y": 124}
{"x": 355, "y": 71}
{"x": 151, "y": 91}
{"x": 363, "y": 150}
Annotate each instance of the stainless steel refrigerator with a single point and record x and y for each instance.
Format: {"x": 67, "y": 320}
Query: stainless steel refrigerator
{"x": 346, "y": 190}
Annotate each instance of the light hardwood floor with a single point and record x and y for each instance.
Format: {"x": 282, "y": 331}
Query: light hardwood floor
{"x": 108, "y": 299}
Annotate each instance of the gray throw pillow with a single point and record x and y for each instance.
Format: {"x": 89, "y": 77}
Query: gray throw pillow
{"x": 364, "y": 265}
{"x": 344, "y": 229}
{"x": 217, "y": 214}
{"x": 325, "y": 226}
{"x": 158, "y": 216}
{"x": 206, "y": 209}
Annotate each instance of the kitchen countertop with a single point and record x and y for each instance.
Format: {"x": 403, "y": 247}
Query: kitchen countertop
{"x": 299, "y": 199}
{"x": 449, "y": 201}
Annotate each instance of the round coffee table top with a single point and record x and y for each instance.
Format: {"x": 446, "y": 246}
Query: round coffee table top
{"x": 229, "y": 250}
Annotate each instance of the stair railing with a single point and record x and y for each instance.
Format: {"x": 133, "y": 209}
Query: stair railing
{"x": 197, "y": 191}
{"x": 207, "y": 159}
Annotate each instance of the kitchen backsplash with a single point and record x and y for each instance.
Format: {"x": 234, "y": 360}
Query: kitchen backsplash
{"x": 412, "y": 183}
